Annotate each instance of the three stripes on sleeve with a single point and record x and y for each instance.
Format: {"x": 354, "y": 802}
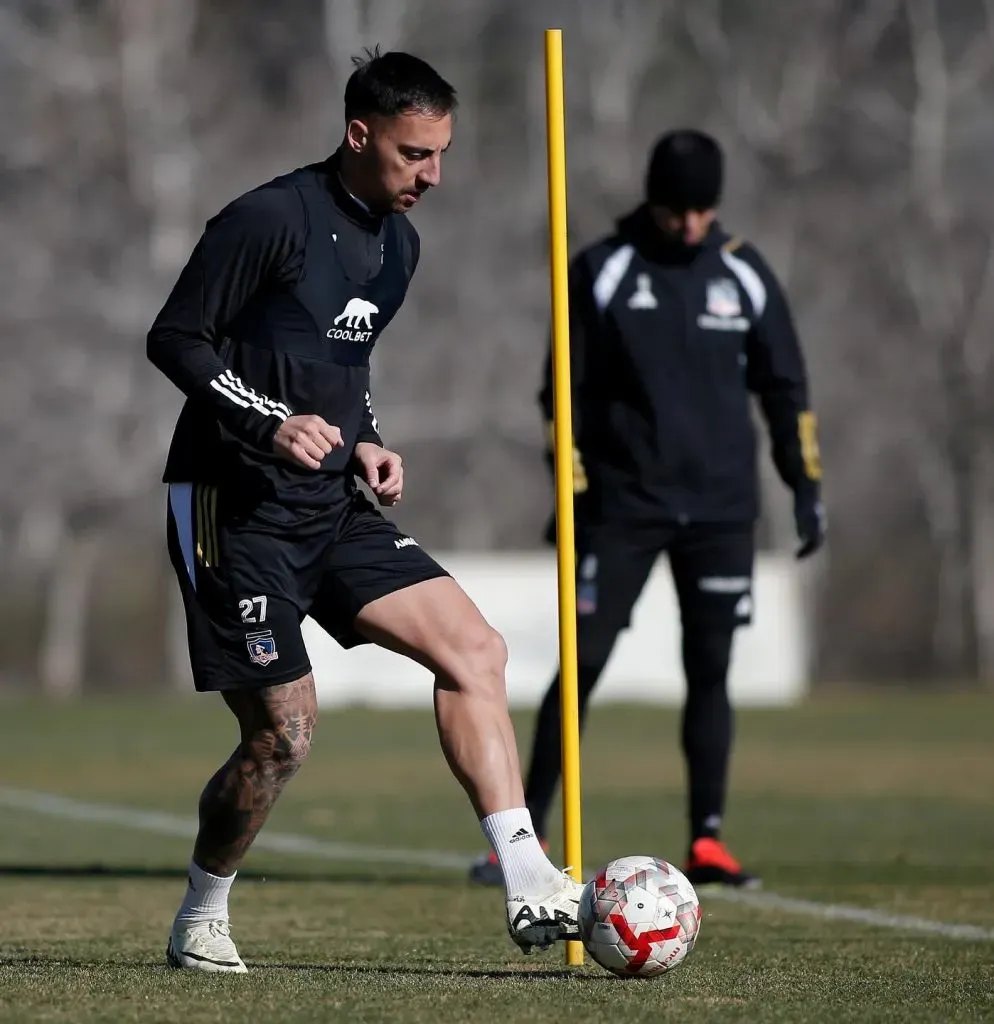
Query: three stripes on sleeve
{"x": 235, "y": 390}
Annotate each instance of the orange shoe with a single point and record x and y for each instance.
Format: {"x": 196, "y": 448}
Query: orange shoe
{"x": 485, "y": 870}
{"x": 710, "y": 863}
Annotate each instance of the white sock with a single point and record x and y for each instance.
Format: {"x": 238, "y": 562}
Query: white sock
{"x": 206, "y": 897}
{"x": 526, "y": 869}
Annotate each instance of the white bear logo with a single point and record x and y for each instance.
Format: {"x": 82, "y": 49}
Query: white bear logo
{"x": 357, "y": 313}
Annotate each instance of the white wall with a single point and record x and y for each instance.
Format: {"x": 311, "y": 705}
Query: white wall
{"x": 517, "y": 594}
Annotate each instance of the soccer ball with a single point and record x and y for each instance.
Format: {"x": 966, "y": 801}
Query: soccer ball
{"x": 639, "y": 917}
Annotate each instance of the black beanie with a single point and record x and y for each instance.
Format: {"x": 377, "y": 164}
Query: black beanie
{"x": 685, "y": 172}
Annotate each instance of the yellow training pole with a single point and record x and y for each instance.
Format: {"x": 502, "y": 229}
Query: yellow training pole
{"x": 563, "y": 417}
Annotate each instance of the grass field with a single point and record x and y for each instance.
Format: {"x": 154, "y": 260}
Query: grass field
{"x": 878, "y": 803}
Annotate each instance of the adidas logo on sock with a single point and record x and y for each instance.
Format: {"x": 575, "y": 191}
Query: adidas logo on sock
{"x": 522, "y": 833}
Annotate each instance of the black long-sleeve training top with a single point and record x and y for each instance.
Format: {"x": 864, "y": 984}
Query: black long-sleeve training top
{"x": 276, "y": 314}
{"x": 666, "y": 345}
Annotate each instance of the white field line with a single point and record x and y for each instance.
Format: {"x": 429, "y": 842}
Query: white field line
{"x": 53, "y": 806}
{"x": 68, "y": 809}
{"x": 861, "y": 915}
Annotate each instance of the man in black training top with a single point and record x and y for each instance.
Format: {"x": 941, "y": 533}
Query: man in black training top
{"x": 268, "y": 332}
{"x": 672, "y": 324}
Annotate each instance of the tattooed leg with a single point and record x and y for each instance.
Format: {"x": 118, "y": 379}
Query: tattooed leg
{"x": 276, "y": 726}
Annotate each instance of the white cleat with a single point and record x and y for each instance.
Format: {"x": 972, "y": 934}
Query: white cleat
{"x": 203, "y": 946}
{"x": 542, "y": 922}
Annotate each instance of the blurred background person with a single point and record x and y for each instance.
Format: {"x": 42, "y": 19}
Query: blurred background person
{"x": 673, "y": 323}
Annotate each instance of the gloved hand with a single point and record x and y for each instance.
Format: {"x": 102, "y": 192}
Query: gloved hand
{"x": 810, "y": 521}
{"x": 580, "y": 498}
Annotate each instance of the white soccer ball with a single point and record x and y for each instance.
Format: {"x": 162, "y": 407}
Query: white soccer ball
{"x": 639, "y": 917}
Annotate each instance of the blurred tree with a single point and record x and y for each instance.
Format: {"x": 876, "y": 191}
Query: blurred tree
{"x": 938, "y": 265}
{"x": 859, "y": 160}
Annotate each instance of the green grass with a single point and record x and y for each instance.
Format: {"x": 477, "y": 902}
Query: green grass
{"x": 879, "y": 802}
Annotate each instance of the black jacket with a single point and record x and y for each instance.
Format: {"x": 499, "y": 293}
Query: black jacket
{"x": 276, "y": 314}
{"x": 666, "y": 344}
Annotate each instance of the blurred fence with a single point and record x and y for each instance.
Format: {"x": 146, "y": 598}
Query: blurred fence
{"x": 517, "y": 594}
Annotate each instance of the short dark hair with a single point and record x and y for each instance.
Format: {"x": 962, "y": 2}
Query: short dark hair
{"x": 394, "y": 83}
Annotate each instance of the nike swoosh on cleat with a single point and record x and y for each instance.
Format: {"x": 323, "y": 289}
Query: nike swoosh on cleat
{"x": 208, "y": 960}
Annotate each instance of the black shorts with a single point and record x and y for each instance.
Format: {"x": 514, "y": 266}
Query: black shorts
{"x": 711, "y": 565}
{"x": 249, "y": 576}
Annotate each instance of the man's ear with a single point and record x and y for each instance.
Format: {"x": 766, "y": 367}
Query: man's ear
{"x": 357, "y": 135}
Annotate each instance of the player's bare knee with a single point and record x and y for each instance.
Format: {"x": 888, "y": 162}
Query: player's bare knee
{"x": 289, "y": 752}
{"x": 277, "y": 754}
{"x": 480, "y": 661}
{"x": 278, "y": 725}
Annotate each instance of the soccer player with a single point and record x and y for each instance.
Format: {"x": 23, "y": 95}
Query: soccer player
{"x": 268, "y": 332}
{"x": 672, "y": 324}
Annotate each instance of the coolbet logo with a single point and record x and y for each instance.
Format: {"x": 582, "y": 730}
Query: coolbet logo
{"x": 357, "y": 315}
{"x": 724, "y": 307}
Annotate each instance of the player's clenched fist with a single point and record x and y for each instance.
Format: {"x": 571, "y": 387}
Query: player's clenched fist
{"x": 383, "y": 470}
{"x": 306, "y": 440}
